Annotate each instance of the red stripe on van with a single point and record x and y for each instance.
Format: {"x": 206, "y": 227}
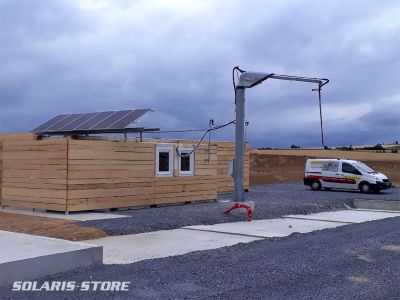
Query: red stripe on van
{"x": 333, "y": 179}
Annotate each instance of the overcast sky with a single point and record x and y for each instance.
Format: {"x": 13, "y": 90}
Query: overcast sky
{"x": 176, "y": 57}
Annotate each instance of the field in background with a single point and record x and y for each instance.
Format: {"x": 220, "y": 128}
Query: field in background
{"x": 274, "y": 166}
{"x": 356, "y": 154}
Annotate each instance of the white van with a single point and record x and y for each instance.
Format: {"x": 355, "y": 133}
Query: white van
{"x": 343, "y": 174}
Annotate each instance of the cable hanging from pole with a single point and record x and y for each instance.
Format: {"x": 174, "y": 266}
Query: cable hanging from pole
{"x": 186, "y": 155}
{"x": 210, "y": 124}
{"x": 320, "y": 113}
{"x": 177, "y": 131}
{"x": 235, "y": 69}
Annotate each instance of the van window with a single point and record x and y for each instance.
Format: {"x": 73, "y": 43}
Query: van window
{"x": 363, "y": 167}
{"x": 330, "y": 166}
{"x": 348, "y": 168}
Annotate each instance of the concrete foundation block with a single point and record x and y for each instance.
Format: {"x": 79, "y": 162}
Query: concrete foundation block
{"x": 29, "y": 257}
{"x": 377, "y": 204}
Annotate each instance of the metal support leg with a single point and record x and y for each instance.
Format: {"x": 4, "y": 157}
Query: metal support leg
{"x": 238, "y": 167}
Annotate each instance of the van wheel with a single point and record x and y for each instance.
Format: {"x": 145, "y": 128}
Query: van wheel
{"x": 315, "y": 185}
{"x": 365, "y": 188}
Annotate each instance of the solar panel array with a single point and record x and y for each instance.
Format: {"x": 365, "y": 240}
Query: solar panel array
{"x": 98, "y": 121}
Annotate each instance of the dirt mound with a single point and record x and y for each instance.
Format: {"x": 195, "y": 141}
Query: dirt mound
{"x": 265, "y": 168}
{"x": 62, "y": 229}
{"x": 268, "y": 168}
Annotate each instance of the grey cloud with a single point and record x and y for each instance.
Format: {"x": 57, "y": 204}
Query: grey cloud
{"x": 384, "y": 119}
{"x": 60, "y": 58}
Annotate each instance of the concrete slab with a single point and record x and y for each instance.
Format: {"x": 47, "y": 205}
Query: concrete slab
{"x": 377, "y": 204}
{"x": 73, "y": 216}
{"x": 267, "y": 228}
{"x": 28, "y": 257}
{"x": 347, "y": 216}
{"x": 131, "y": 248}
{"x": 379, "y": 210}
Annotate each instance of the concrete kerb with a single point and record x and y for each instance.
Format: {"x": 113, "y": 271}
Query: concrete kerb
{"x": 377, "y": 204}
{"x": 347, "y": 216}
{"x": 29, "y": 257}
{"x": 72, "y": 216}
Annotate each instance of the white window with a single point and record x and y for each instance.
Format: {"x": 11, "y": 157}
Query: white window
{"x": 164, "y": 161}
{"x": 186, "y": 161}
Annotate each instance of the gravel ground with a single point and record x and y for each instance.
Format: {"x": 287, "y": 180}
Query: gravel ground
{"x": 359, "y": 261}
{"x": 272, "y": 201}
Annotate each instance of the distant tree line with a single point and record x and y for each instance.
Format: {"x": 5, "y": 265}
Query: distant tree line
{"x": 345, "y": 148}
{"x": 378, "y": 148}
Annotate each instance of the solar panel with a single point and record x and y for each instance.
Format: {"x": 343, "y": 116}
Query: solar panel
{"x": 49, "y": 123}
{"x": 111, "y": 119}
{"x": 82, "y": 119}
{"x": 127, "y": 120}
{"x": 90, "y": 122}
{"x": 57, "y": 126}
{"x": 93, "y": 121}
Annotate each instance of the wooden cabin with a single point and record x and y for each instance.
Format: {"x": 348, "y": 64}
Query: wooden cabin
{"x": 67, "y": 175}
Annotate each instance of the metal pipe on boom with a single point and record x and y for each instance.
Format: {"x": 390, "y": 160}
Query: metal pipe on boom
{"x": 249, "y": 80}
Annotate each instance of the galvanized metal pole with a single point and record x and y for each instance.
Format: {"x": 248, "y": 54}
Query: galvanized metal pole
{"x": 320, "y": 115}
{"x": 249, "y": 80}
{"x": 238, "y": 166}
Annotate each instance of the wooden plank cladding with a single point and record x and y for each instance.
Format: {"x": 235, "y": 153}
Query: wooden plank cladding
{"x": 12, "y": 137}
{"x": 201, "y": 186}
{"x": 34, "y": 174}
{"x": 106, "y": 174}
{"x": 77, "y": 175}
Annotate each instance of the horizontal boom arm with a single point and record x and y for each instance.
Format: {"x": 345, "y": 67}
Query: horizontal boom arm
{"x": 250, "y": 79}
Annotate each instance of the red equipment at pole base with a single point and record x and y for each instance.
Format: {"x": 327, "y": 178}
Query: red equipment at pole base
{"x": 240, "y": 205}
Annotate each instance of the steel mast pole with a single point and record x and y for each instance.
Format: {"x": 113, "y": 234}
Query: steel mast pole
{"x": 320, "y": 115}
{"x": 238, "y": 166}
{"x": 249, "y": 80}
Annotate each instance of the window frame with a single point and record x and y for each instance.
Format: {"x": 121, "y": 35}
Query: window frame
{"x": 191, "y": 161}
{"x": 170, "y": 150}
